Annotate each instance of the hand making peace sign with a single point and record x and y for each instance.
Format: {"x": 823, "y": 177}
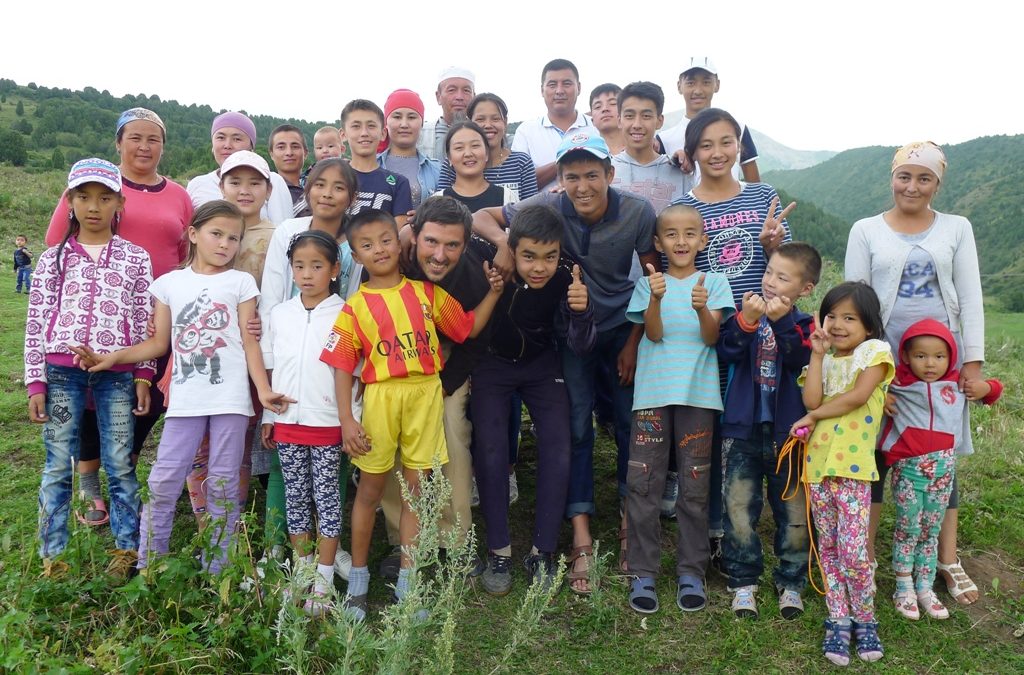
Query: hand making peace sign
{"x": 773, "y": 232}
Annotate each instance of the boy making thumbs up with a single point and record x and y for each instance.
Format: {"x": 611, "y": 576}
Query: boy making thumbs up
{"x": 547, "y": 295}
{"x": 675, "y": 400}
{"x": 766, "y": 345}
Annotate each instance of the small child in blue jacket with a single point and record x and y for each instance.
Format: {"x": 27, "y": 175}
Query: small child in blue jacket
{"x": 766, "y": 345}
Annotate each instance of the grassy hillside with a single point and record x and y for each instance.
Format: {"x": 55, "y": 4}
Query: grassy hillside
{"x": 983, "y": 183}
{"x": 773, "y": 156}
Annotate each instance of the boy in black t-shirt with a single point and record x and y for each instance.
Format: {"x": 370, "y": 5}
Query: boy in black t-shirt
{"x": 22, "y": 263}
{"x": 363, "y": 124}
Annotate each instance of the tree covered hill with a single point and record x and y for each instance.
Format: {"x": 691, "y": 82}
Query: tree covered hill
{"x": 984, "y": 183}
{"x": 811, "y": 224}
{"x": 54, "y": 127}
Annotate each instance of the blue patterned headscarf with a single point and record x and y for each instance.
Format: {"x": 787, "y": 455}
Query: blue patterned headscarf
{"x": 140, "y": 114}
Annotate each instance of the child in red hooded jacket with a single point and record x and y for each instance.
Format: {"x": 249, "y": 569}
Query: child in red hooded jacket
{"x": 927, "y": 419}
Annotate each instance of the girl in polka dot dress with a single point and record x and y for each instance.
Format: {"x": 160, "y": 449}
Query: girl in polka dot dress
{"x": 844, "y": 392}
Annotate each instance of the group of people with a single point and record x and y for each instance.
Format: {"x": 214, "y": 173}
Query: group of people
{"x": 597, "y": 267}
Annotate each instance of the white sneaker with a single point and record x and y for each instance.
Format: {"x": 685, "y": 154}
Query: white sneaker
{"x": 342, "y": 563}
{"x": 319, "y": 605}
{"x": 743, "y": 603}
{"x": 791, "y": 605}
{"x": 513, "y": 489}
{"x": 474, "y": 496}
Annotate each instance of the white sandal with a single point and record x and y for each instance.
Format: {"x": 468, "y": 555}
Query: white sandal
{"x": 958, "y": 582}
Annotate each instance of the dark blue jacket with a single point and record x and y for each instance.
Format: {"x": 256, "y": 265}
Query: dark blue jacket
{"x": 738, "y": 349}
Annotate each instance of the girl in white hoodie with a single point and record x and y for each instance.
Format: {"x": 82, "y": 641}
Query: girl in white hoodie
{"x": 308, "y": 435}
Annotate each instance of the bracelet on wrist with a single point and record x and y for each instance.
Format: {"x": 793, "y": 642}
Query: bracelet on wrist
{"x": 744, "y": 326}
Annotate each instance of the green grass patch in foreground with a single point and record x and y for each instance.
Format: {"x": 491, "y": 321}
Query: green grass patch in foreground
{"x": 181, "y": 622}
{"x": 1001, "y": 326}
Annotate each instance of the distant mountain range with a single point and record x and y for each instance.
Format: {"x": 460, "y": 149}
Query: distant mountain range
{"x": 772, "y": 155}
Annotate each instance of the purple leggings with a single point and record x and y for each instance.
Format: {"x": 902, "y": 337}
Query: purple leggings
{"x": 174, "y": 459}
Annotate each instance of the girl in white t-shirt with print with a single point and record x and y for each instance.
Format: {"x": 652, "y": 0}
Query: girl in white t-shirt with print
{"x": 199, "y": 309}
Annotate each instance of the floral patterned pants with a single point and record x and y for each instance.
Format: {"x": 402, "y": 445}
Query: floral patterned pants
{"x": 311, "y": 476}
{"x": 840, "y": 507}
{"x": 921, "y": 486}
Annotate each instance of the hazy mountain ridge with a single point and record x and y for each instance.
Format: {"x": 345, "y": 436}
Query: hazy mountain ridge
{"x": 772, "y": 155}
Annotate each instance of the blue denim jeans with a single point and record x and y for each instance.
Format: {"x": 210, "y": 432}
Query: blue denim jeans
{"x": 114, "y": 395}
{"x": 746, "y": 464}
{"x": 581, "y": 379}
{"x": 24, "y": 278}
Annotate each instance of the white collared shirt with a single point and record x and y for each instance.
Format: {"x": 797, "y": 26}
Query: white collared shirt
{"x": 540, "y": 138}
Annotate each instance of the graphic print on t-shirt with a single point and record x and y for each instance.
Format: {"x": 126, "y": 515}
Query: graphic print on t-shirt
{"x": 412, "y": 344}
{"x": 371, "y": 200}
{"x": 766, "y": 374}
{"x": 731, "y": 251}
{"x": 659, "y": 193}
{"x": 917, "y": 279}
{"x": 767, "y": 357}
{"x": 198, "y": 334}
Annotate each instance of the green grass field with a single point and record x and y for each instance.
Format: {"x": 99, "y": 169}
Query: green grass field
{"x": 182, "y": 624}
{"x": 1000, "y": 328}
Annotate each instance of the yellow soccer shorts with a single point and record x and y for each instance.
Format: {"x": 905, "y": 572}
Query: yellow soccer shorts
{"x": 403, "y": 413}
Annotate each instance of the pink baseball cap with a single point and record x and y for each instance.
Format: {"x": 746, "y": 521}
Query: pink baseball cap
{"x": 245, "y": 158}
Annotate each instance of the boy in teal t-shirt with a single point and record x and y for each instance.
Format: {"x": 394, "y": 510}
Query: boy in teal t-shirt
{"x": 676, "y": 398}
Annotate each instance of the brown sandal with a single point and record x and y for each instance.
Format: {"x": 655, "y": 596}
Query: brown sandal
{"x": 623, "y": 562}
{"x": 578, "y": 552}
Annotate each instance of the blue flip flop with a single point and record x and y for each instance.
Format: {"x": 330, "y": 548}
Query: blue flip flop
{"x": 690, "y": 595}
{"x": 642, "y": 596}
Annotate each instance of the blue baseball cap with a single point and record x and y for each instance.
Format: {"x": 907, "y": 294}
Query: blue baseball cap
{"x": 587, "y": 141}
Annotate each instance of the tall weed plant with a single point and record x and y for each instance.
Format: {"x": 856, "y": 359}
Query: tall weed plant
{"x": 177, "y": 618}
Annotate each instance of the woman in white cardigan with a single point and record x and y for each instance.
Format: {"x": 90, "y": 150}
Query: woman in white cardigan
{"x": 924, "y": 264}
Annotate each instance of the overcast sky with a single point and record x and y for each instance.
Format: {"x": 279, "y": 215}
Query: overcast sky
{"x": 812, "y": 75}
